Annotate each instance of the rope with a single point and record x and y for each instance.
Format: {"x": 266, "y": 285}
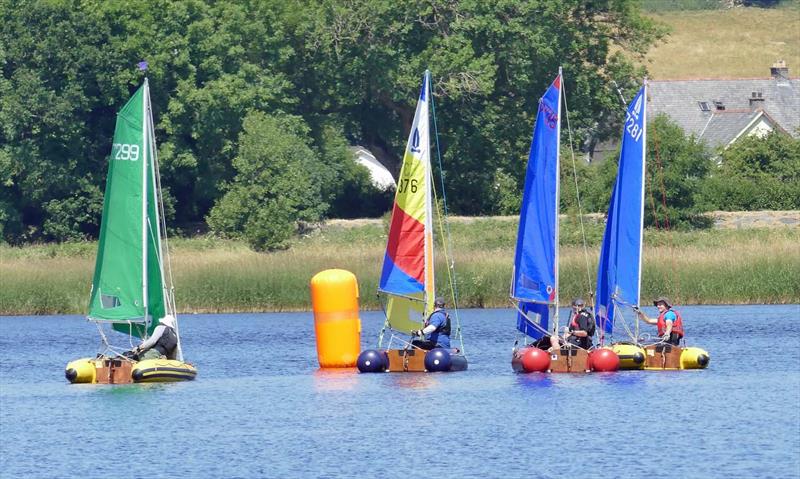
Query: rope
{"x": 670, "y": 236}
{"x": 541, "y": 329}
{"x": 578, "y": 197}
{"x": 444, "y": 227}
{"x": 532, "y": 323}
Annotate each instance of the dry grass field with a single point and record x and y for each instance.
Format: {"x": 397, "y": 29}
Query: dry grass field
{"x": 735, "y": 43}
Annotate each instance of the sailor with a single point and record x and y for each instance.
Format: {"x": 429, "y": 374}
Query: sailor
{"x": 669, "y": 322}
{"x": 436, "y": 330}
{"x": 163, "y": 342}
{"x": 581, "y": 325}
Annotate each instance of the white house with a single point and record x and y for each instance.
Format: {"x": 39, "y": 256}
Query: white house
{"x": 381, "y": 177}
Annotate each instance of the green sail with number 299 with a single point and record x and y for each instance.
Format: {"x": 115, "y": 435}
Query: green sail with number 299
{"x": 128, "y": 283}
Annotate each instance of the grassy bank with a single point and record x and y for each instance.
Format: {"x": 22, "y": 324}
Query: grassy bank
{"x": 737, "y": 43}
{"x": 759, "y": 265}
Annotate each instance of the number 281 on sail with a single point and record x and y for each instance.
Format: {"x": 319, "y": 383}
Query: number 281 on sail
{"x": 632, "y": 128}
{"x": 125, "y": 151}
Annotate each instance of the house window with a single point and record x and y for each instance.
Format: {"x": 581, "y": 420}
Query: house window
{"x": 703, "y": 106}
{"x": 719, "y": 105}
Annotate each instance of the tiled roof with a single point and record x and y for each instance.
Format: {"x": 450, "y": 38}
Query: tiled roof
{"x": 680, "y": 100}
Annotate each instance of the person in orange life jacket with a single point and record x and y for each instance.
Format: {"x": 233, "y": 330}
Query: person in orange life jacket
{"x": 436, "y": 330}
{"x": 163, "y": 341}
{"x": 669, "y": 322}
{"x": 581, "y": 325}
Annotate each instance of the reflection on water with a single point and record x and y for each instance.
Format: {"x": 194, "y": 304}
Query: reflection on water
{"x": 261, "y": 407}
{"x": 335, "y": 379}
{"x": 414, "y": 380}
{"x": 535, "y": 380}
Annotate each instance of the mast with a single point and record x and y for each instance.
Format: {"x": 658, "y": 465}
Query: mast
{"x": 641, "y": 217}
{"x": 430, "y": 282}
{"x": 558, "y": 197}
{"x": 644, "y": 169}
{"x": 145, "y": 101}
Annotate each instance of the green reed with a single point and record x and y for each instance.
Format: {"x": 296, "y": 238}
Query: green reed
{"x": 213, "y": 275}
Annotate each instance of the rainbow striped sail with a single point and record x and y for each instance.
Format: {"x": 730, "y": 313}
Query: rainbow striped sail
{"x": 407, "y": 275}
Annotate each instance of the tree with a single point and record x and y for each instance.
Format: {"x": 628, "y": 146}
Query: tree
{"x": 350, "y": 70}
{"x": 274, "y": 191}
{"x": 491, "y": 61}
{"x": 756, "y": 174}
{"x": 677, "y": 167}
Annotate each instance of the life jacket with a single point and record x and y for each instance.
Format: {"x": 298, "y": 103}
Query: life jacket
{"x": 575, "y": 325}
{"x": 444, "y": 328}
{"x": 167, "y": 342}
{"x": 677, "y": 324}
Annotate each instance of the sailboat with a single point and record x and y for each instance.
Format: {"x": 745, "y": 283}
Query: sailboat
{"x": 534, "y": 285}
{"x": 619, "y": 273}
{"x": 408, "y": 276}
{"x": 132, "y": 284}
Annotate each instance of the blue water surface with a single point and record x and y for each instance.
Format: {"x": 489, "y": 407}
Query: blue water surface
{"x": 261, "y": 407}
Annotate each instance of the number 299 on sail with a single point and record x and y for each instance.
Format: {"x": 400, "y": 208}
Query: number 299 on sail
{"x": 125, "y": 151}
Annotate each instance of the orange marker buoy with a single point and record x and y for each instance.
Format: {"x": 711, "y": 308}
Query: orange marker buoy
{"x": 334, "y": 299}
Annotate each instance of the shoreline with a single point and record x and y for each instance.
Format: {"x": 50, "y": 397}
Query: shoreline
{"x": 738, "y": 265}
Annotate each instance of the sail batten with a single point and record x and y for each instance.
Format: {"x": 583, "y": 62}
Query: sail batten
{"x": 620, "y": 266}
{"x": 535, "y": 281}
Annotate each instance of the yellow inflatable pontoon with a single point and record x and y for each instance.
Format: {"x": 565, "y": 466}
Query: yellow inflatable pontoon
{"x": 120, "y": 370}
{"x": 660, "y": 356}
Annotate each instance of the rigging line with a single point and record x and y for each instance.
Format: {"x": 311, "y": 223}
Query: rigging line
{"x": 578, "y": 197}
{"x": 445, "y": 224}
{"x": 385, "y": 323}
{"x": 532, "y": 323}
{"x": 618, "y": 313}
{"x": 163, "y": 220}
{"x": 450, "y": 279}
{"x": 670, "y": 238}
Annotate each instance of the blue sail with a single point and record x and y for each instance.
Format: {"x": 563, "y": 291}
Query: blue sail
{"x": 535, "y": 282}
{"x": 619, "y": 270}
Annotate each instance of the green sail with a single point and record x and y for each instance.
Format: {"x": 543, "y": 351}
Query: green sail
{"x": 129, "y": 232}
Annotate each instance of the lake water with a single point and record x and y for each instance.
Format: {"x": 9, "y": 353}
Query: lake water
{"x": 260, "y": 407}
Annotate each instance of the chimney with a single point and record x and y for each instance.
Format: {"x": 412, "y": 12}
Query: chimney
{"x": 779, "y": 70}
{"x": 756, "y": 101}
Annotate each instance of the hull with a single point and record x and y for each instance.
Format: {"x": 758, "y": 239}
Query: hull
{"x": 413, "y": 361}
{"x": 569, "y": 360}
{"x": 661, "y": 357}
{"x": 631, "y": 356}
{"x": 123, "y": 371}
{"x": 564, "y": 360}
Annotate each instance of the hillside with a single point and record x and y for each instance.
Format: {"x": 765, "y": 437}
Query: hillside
{"x": 735, "y": 43}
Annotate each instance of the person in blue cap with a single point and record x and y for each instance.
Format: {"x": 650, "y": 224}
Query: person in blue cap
{"x": 436, "y": 330}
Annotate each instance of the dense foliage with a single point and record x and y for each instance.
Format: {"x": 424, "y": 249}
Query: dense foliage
{"x": 257, "y": 102}
{"x": 756, "y": 174}
{"x": 349, "y": 70}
